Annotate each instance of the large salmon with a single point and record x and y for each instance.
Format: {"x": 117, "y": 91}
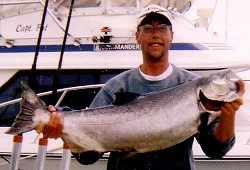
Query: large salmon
{"x": 148, "y": 122}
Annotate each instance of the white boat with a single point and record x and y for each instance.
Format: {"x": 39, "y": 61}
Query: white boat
{"x": 100, "y": 43}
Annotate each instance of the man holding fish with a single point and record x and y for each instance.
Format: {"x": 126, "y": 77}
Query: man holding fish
{"x": 154, "y": 34}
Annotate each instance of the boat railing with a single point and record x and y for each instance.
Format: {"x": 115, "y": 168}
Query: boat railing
{"x": 42, "y": 144}
{"x": 63, "y": 91}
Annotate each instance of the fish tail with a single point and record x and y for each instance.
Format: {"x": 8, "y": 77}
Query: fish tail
{"x": 30, "y": 106}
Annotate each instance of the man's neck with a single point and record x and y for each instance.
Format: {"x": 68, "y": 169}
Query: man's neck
{"x": 154, "y": 68}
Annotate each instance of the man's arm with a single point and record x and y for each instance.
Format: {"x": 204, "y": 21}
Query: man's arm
{"x": 218, "y": 138}
{"x": 224, "y": 130}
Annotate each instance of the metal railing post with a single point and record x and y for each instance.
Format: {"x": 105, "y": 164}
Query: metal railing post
{"x": 41, "y": 155}
{"x": 66, "y": 158}
{"x": 16, "y": 151}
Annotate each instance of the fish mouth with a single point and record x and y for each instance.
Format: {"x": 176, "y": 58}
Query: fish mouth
{"x": 213, "y": 105}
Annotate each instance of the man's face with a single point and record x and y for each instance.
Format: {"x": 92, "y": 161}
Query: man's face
{"x": 154, "y": 45}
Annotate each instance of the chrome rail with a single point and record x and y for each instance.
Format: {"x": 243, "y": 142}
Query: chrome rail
{"x": 64, "y": 90}
{"x": 42, "y": 148}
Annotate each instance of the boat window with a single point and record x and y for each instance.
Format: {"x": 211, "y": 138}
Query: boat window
{"x": 123, "y": 3}
{"x": 163, "y": 3}
{"x": 88, "y": 7}
{"x": 43, "y": 82}
{"x": 80, "y": 3}
{"x": 9, "y": 8}
{"x": 121, "y": 7}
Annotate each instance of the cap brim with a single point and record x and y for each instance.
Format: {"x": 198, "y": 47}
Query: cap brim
{"x": 154, "y": 9}
{"x": 148, "y": 17}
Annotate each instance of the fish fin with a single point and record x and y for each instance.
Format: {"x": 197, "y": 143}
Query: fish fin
{"x": 75, "y": 148}
{"x": 28, "y": 105}
{"x": 88, "y": 157}
{"x": 124, "y": 97}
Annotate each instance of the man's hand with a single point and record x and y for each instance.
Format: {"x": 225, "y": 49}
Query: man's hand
{"x": 232, "y": 107}
{"x": 53, "y": 129}
{"x": 224, "y": 131}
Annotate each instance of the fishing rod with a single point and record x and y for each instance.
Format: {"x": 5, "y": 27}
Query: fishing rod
{"x": 58, "y": 72}
{"x": 32, "y": 78}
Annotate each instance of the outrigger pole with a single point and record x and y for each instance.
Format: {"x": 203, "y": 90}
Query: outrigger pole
{"x": 58, "y": 72}
{"x": 32, "y": 78}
